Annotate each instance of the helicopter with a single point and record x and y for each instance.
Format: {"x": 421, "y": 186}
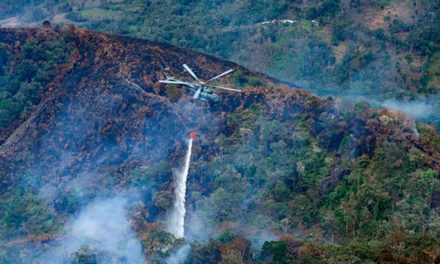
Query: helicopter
{"x": 200, "y": 89}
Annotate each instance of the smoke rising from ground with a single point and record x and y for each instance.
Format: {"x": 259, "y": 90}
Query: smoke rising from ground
{"x": 417, "y": 109}
{"x": 102, "y": 227}
{"x": 179, "y": 256}
{"x": 261, "y": 237}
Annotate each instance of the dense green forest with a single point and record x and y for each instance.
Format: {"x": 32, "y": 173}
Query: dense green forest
{"x": 373, "y": 50}
{"x": 22, "y": 88}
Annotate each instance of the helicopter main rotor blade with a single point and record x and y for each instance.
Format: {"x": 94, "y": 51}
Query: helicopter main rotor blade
{"x": 226, "y": 88}
{"x": 173, "y": 82}
{"x": 221, "y": 75}
{"x": 197, "y": 93}
{"x": 190, "y": 72}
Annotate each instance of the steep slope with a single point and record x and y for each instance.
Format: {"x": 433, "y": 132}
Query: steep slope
{"x": 107, "y": 78}
{"x": 384, "y": 51}
{"x": 272, "y": 158}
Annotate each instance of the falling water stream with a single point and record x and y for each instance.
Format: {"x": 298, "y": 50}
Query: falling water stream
{"x": 177, "y": 217}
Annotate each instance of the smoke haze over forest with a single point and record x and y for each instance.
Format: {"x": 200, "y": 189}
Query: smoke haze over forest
{"x": 301, "y": 164}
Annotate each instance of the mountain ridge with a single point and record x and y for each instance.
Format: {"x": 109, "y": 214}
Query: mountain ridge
{"x": 104, "y": 124}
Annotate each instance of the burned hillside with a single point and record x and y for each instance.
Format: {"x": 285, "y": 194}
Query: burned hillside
{"x": 93, "y": 120}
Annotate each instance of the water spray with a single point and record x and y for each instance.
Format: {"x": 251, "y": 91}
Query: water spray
{"x": 177, "y": 218}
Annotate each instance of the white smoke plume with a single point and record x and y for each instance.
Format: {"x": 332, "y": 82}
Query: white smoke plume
{"x": 179, "y": 256}
{"x": 177, "y": 218}
{"x": 259, "y": 238}
{"x": 417, "y": 109}
{"x": 102, "y": 227}
{"x": 198, "y": 227}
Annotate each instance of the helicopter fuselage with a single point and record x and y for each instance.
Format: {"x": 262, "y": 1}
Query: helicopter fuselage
{"x": 206, "y": 94}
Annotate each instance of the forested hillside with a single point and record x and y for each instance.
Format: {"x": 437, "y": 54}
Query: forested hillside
{"x": 384, "y": 52}
{"x": 278, "y": 175}
{"x": 89, "y": 139}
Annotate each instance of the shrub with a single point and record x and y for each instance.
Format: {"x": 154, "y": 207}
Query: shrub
{"x": 239, "y": 78}
{"x": 226, "y": 236}
{"x": 28, "y": 214}
{"x": 25, "y": 70}
{"x": 274, "y": 252}
{"x": 255, "y": 81}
